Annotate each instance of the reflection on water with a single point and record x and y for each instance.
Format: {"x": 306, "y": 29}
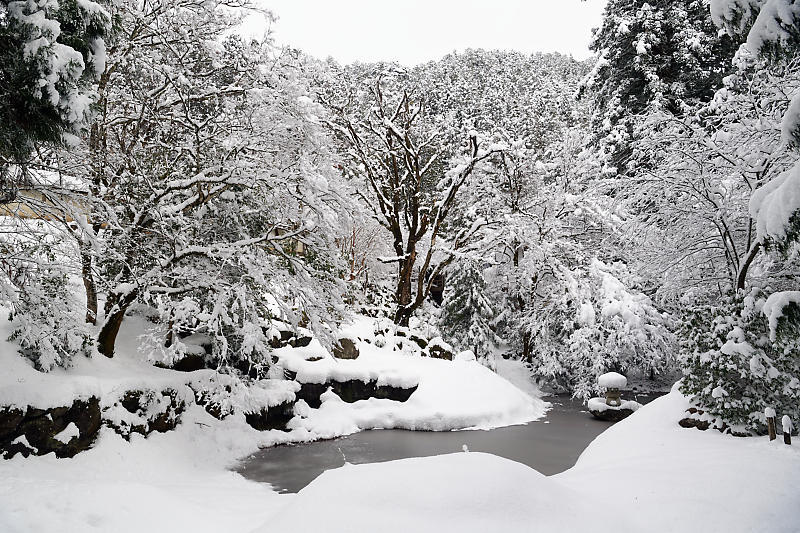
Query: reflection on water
{"x": 550, "y": 445}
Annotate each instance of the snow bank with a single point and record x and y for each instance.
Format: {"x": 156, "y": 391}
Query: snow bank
{"x": 464, "y": 492}
{"x": 519, "y": 375}
{"x": 450, "y": 395}
{"x": 459, "y": 394}
{"x": 643, "y": 474}
{"x": 676, "y": 479}
{"x": 174, "y": 481}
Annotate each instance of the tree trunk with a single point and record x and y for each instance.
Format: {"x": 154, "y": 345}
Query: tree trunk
{"x": 403, "y": 312}
{"x": 403, "y": 292}
{"x": 527, "y": 353}
{"x": 88, "y": 283}
{"x": 741, "y": 276}
{"x": 402, "y": 316}
{"x": 115, "y": 312}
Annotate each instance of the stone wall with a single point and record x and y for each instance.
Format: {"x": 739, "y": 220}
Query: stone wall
{"x": 70, "y": 429}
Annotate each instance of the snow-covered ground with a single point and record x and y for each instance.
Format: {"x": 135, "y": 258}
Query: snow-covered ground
{"x": 174, "y": 481}
{"x": 643, "y": 474}
{"x": 667, "y": 478}
{"x": 179, "y": 481}
{"x": 450, "y": 394}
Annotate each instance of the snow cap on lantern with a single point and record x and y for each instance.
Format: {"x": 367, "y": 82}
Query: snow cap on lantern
{"x": 612, "y": 382}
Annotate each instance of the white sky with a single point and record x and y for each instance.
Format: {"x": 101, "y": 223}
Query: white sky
{"x": 415, "y": 31}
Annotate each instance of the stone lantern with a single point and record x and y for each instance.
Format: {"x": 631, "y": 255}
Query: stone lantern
{"x": 612, "y": 382}
{"x": 612, "y": 408}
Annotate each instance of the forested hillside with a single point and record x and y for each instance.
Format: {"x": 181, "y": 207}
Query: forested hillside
{"x": 637, "y": 212}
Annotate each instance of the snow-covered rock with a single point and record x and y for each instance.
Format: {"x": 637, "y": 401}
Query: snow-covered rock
{"x": 68, "y": 433}
{"x": 612, "y": 413}
{"x": 600, "y": 405}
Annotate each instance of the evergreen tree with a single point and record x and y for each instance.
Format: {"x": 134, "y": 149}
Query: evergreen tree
{"x": 467, "y": 313}
{"x": 735, "y": 366}
{"x": 50, "y": 52}
{"x": 746, "y": 357}
{"x": 662, "y": 54}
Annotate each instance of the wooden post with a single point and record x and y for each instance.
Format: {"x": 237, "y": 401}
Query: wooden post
{"x": 786, "y": 422}
{"x": 769, "y": 413}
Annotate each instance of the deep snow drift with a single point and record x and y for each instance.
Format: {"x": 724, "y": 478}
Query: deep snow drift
{"x": 643, "y": 474}
{"x": 461, "y": 492}
{"x": 178, "y": 481}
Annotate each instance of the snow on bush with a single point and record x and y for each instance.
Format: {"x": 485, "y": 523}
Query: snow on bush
{"x": 775, "y": 308}
{"x": 763, "y": 22}
{"x": 775, "y": 206}
{"x": 790, "y": 125}
{"x": 735, "y": 367}
{"x": 59, "y": 48}
{"x": 599, "y": 324}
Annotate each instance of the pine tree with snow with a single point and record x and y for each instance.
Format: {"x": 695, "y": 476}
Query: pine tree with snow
{"x": 737, "y": 365}
{"x": 651, "y": 54}
{"x": 749, "y": 358}
{"x": 50, "y": 53}
{"x": 467, "y": 313}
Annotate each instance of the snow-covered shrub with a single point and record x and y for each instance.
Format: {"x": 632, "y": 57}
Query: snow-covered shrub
{"x": 736, "y": 364}
{"x": 599, "y": 324}
{"x": 46, "y": 325}
{"x": 38, "y": 271}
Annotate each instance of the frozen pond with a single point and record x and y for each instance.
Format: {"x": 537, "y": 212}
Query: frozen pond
{"x": 550, "y": 445}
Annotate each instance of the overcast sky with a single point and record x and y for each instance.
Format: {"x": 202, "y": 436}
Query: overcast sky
{"x": 415, "y": 31}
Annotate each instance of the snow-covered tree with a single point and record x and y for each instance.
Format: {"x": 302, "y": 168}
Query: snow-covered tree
{"x": 413, "y": 178}
{"x": 690, "y": 228}
{"x": 50, "y": 55}
{"x": 660, "y": 54}
{"x": 213, "y": 194}
{"x": 596, "y": 324}
{"x": 467, "y": 312}
{"x": 748, "y": 359}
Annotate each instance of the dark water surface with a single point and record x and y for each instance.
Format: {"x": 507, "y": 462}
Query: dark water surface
{"x": 550, "y": 445}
